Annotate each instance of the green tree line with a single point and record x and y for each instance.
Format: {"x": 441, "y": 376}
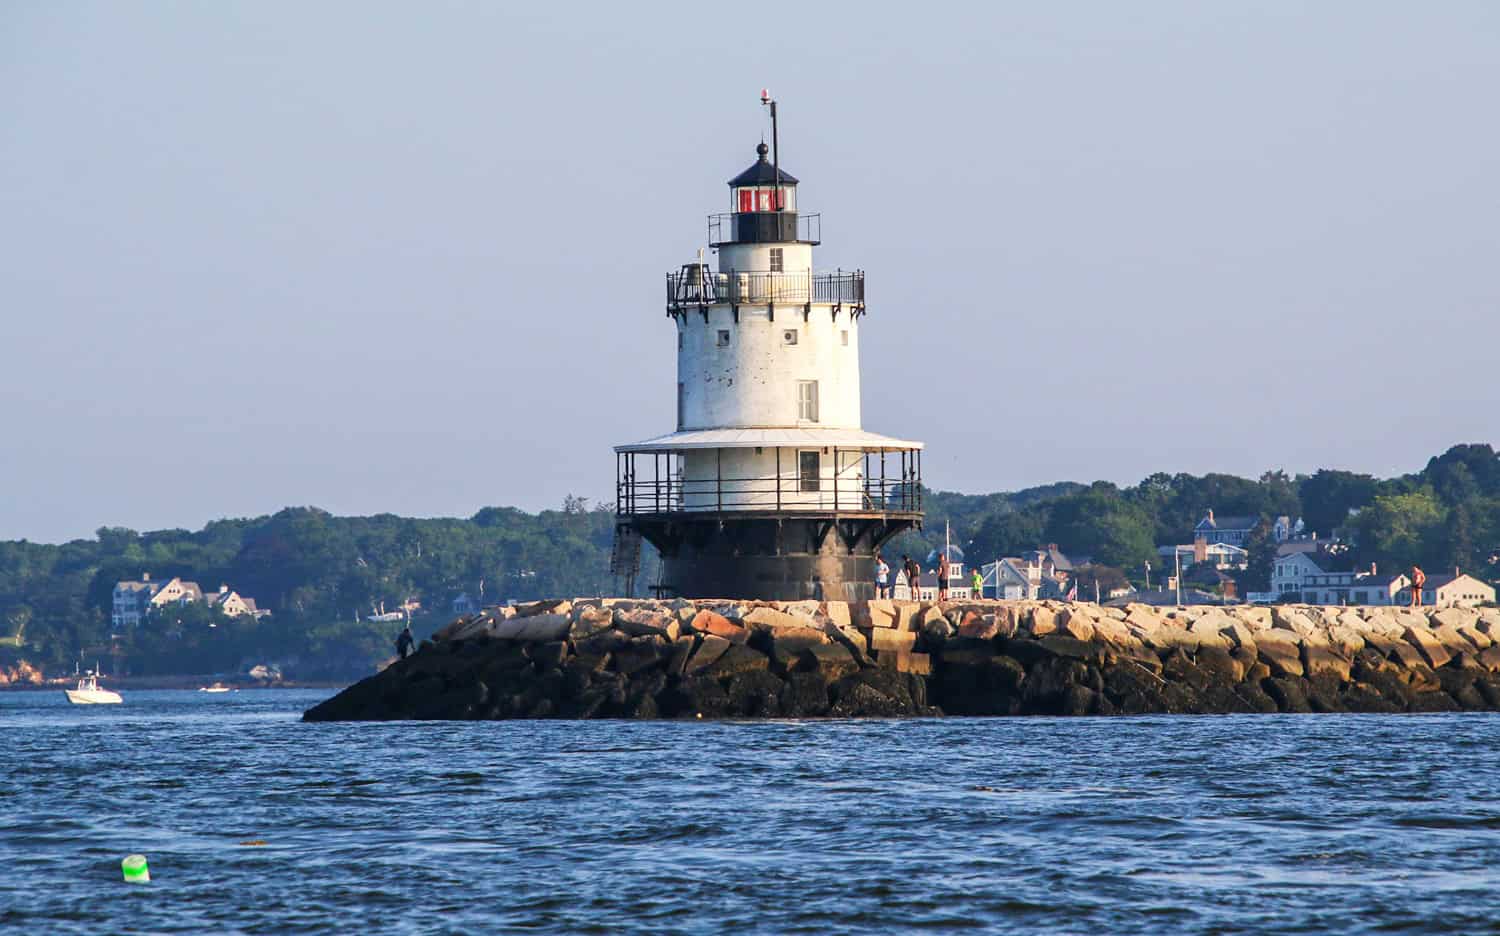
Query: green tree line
{"x": 1443, "y": 517}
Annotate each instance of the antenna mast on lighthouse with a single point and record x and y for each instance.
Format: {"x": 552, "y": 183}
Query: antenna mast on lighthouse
{"x": 767, "y": 101}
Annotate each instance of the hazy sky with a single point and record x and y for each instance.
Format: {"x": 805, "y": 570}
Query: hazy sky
{"x": 410, "y": 257}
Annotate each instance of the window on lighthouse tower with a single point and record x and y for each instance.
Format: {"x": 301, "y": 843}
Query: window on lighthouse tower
{"x": 807, "y": 400}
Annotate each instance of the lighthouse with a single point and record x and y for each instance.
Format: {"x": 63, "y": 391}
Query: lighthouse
{"x": 769, "y": 488}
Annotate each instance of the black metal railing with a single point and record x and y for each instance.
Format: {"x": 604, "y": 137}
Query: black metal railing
{"x": 653, "y": 483}
{"x": 714, "y": 495}
{"x": 759, "y": 227}
{"x": 695, "y": 285}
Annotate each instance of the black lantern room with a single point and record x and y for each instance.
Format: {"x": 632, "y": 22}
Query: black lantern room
{"x": 764, "y": 204}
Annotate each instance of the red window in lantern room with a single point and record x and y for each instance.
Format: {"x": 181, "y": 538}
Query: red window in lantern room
{"x": 759, "y": 199}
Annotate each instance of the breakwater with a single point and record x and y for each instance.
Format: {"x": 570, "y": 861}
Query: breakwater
{"x": 628, "y": 658}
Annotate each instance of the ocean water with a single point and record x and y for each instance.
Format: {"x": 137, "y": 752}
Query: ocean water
{"x": 1122, "y": 825}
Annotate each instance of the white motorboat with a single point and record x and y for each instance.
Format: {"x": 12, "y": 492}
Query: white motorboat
{"x": 89, "y": 693}
{"x": 216, "y": 687}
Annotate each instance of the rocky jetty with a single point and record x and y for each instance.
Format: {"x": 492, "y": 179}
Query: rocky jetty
{"x": 22, "y": 676}
{"x": 626, "y": 658}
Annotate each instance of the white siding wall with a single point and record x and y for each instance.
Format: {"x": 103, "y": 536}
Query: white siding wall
{"x": 701, "y": 474}
{"x": 756, "y": 258}
{"x": 752, "y": 382}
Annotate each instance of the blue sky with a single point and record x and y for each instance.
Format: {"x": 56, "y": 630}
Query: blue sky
{"x": 409, "y": 258}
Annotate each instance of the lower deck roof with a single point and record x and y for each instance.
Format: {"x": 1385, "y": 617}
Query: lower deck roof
{"x": 853, "y": 439}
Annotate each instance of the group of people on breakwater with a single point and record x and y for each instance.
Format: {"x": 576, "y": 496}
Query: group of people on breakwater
{"x": 626, "y": 658}
{"x": 885, "y": 584}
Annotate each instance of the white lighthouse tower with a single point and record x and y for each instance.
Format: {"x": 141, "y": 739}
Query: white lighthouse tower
{"x": 770, "y": 488}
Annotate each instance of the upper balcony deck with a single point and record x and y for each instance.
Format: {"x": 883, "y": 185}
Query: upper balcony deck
{"x": 696, "y": 286}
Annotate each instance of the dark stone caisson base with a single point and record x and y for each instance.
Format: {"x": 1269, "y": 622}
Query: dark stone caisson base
{"x": 788, "y": 557}
{"x": 773, "y": 578}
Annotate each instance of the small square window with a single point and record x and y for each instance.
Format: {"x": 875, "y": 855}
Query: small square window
{"x": 777, "y": 264}
{"x": 723, "y": 341}
{"x": 789, "y": 336}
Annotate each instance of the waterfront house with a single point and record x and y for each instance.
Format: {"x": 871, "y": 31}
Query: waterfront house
{"x": 1311, "y": 579}
{"x": 1233, "y": 530}
{"x": 233, "y": 604}
{"x": 1052, "y": 561}
{"x": 1010, "y": 579}
{"x": 132, "y": 601}
{"x": 1040, "y": 573}
{"x": 1284, "y": 529}
{"x": 1448, "y": 591}
{"x": 1202, "y": 552}
{"x": 176, "y": 591}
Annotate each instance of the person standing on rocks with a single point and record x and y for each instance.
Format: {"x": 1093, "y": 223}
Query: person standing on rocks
{"x": 977, "y": 583}
{"x": 913, "y": 576}
{"x": 405, "y": 641}
{"x": 942, "y": 575}
{"x": 882, "y": 578}
{"x": 1418, "y": 579}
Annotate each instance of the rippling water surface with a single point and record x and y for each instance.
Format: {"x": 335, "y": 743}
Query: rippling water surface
{"x": 1120, "y": 825}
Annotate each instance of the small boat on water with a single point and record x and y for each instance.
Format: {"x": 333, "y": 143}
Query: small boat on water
{"x": 89, "y": 693}
{"x": 216, "y": 687}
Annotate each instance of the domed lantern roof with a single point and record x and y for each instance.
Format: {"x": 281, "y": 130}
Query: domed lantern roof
{"x": 756, "y": 189}
{"x": 761, "y": 173}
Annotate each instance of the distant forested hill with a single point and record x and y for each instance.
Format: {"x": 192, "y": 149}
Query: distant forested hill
{"x": 318, "y": 574}
{"x": 321, "y": 575}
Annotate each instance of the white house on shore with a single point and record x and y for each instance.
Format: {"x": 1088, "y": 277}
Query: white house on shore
{"x": 1304, "y": 574}
{"x": 132, "y": 601}
{"x": 1449, "y": 591}
{"x": 233, "y": 604}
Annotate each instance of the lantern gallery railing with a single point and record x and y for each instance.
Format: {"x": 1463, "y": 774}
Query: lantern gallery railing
{"x": 696, "y": 285}
{"x": 650, "y": 483}
{"x": 764, "y": 227}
